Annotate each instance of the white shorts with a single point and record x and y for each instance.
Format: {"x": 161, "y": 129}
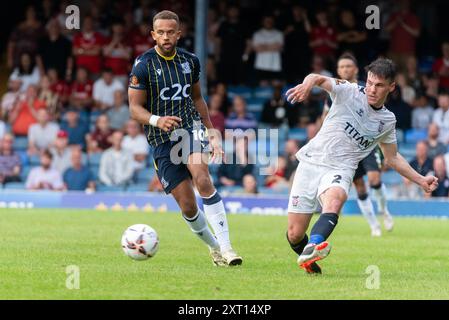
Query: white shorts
{"x": 311, "y": 181}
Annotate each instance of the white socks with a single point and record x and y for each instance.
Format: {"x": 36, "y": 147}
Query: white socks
{"x": 198, "y": 225}
{"x": 216, "y": 215}
{"x": 381, "y": 200}
{"x": 367, "y": 208}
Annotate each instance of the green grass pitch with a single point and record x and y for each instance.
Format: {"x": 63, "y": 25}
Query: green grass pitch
{"x": 38, "y": 245}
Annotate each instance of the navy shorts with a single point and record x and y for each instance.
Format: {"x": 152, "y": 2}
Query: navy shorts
{"x": 373, "y": 162}
{"x": 170, "y": 158}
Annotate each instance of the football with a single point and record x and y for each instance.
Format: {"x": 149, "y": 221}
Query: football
{"x": 140, "y": 242}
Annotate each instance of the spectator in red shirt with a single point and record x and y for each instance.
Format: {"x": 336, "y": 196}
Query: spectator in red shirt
{"x": 323, "y": 37}
{"x": 24, "y": 113}
{"x": 141, "y": 40}
{"x": 216, "y": 116}
{"x": 81, "y": 90}
{"x": 87, "y": 47}
{"x": 404, "y": 28}
{"x": 98, "y": 141}
{"x": 441, "y": 66}
{"x": 117, "y": 53}
{"x": 59, "y": 87}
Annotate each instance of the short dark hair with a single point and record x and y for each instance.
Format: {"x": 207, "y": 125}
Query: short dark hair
{"x": 48, "y": 154}
{"x": 166, "y": 15}
{"x": 347, "y": 56}
{"x": 382, "y": 67}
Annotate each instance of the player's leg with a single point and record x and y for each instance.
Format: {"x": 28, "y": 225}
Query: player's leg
{"x": 175, "y": 179}
{"x": 373, "y": 165}
{"x": 195, "y": 218}
{"x": 213, "y": 205}
{"x": 375, "y": 182}
{"x": 332, "y": 192}
{"x": 301, "y": 206}
{"x": 365, "y": 203}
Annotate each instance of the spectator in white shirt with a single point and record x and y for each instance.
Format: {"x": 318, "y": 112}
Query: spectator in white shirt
{"x": 118, "y": 115}
{"x": 42, "y": 134}
{"x": 441, "y": 116}
{"x": 44, "y": 177}
{"x": 11, "y": 97}
{"x": 268, "y": 42}
{"x": 61, "y": 152}
{"x": 104, "y": 88}
{"x": 27, "y": 72}
{"x": 116, "y": 164}
{"x": 136, "y": 143}
{"x": 422, "y": 114}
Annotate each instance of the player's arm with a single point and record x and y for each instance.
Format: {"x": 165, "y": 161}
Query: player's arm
{"x": 213, "y": 134}
{"x": 394, "y": 160}
{"x": 302, "y": 90}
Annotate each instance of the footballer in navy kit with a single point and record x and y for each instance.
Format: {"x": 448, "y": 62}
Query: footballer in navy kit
{"x": 165, "y": 97}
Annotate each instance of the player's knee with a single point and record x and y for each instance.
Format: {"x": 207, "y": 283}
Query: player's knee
{"x": 188, "y": 208}
{"x": 204, "y": 185}
{"x": 294, "y": 234}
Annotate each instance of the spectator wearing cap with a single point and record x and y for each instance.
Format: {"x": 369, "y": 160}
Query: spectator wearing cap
{"x": 10, "y": 164}
{"x": 136, "y": 143}
{"x": 78, "y": 177}
{"x": 42, "y": 134}
{"x": 99, "y": 140}
{"x": 44, "y": 177}
{"x": 24, "y": 112}
{"x": 116, "y": 164}
{"x": 118, "y": 115}
{"x": 104, "y": 88}
{"x": 441, "y": 116}
{"x": 61, "y": 152}
{"x": 76, "y": 128}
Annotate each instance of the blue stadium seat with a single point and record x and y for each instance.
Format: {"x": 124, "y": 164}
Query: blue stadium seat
{"x": 400, "y": 136}
{"x": 94, "y": 159}
{"x": 15, "y": 186}
{"x": 25, "y": 171}
{"x": 23, "y": 158}
{"x": 263, "y": 92}
{"x": 415, "y": 135}
{"x": 139, "y": 187}
{"x": 408, "y": 150}
{"x": 20, "y": 143}
{"x": 244, "y": 92}
{"x": 34, "y": 160}
{"x": 297, "y": 134}
{"x": 103, "y": 188}
{"x": 145, "y": 175}
{"x": 95, "y": 170}
{"x": 255, "y": 104}
{"x": 391, "y": 177}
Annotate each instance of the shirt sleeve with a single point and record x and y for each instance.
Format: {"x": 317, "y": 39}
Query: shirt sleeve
{"x": 341, "y": 89}
{"x": 138, "y": 79}
{"x": 390, "y": 136}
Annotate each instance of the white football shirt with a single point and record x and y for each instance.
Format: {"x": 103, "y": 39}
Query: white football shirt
{"x": 351, "y": 130}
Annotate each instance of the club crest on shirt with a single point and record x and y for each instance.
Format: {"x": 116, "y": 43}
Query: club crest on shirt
{"x": 295, "y": 201}
{"x": 186, "y": 67}
{"x": 381, "y": 126}
{"x": 134, "y": 81}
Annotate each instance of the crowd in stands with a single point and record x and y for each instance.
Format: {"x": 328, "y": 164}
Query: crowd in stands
{"x": 65, "y": 122}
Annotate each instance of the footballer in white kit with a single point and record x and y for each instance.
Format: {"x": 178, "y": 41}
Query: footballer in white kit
{"x": 357, "y": 122}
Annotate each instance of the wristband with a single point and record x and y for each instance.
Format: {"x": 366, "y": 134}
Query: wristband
{"x": 153, "y": 120}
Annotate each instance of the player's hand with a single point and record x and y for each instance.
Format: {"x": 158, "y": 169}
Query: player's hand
{"x": 217, "y": 150}
{"x": 168, "y": 123}
{"x": 429, "y": 184}
{"x": 298, "y": 93}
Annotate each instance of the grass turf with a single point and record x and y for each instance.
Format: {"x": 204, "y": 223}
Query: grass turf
{"x": 38, "y": 245}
